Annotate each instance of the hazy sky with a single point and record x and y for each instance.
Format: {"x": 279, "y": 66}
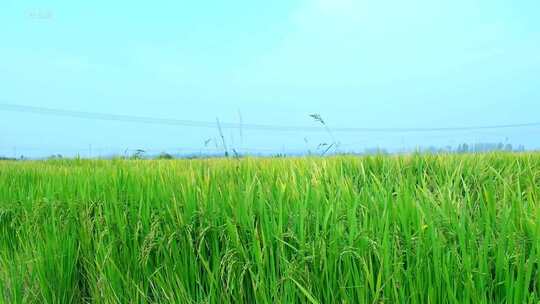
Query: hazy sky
{"x": 419, "y": 63}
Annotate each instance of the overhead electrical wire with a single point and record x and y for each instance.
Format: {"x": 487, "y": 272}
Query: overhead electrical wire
{"x": 243, "y": 126}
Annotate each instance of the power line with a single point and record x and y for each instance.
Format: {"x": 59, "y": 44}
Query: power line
{"x": 246, "y": 126}
{"x": 143, "y": 148}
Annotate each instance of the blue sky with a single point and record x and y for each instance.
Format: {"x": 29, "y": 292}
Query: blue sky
{"x": 375, "y": 64}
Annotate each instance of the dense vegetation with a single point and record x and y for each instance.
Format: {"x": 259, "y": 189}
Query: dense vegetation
{"x": 439, "y": 229}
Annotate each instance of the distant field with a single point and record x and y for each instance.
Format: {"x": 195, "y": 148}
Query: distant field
{"x": 411, "y": 229}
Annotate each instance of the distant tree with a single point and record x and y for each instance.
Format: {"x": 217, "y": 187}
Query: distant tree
{"x": 165, "y": 155}
{"x": 55, "y": 156}
{"x": 138, "y": 154}
{"x": 463, "y": 148}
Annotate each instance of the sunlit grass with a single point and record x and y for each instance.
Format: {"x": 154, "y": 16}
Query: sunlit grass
{"x": 432, "y": 229}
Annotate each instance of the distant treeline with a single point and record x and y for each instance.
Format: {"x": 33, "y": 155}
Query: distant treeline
{"x": 7, "y": 158}
{"x": 461, "y": 148}
{"x": 477, "y": 148}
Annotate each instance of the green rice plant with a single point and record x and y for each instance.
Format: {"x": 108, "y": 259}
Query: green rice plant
{"x": 378, "y": 229}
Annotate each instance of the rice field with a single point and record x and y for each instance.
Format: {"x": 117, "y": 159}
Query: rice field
{"x": 382, "y": 229}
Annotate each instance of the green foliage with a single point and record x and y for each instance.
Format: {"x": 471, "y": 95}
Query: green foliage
{"x": 410, "y": 229}
{"x": 165, "y": 156}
